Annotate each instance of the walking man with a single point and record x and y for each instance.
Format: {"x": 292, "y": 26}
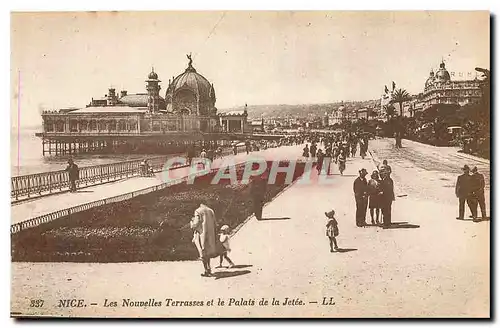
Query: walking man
{"x": 477, "y": 183}
{"x": 385, "y": 168}
{"x": 258, "y": 187}
{"x": 73, "y": 175}
{"x": 463, "y": 193}
{"x": 361, "y": 196}
{"x": 386, "y": 198}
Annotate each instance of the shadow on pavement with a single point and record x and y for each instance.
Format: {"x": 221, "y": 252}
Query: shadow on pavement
{"x": 242, "y": 266}
{"x": 229, "y": 274}
{"x": 344, "y": 175}
{"x": 401, "y": 225}
{"x": 372, "y": 225}
{"x": 271, "y": 219}
{"x": 345, "y": 250}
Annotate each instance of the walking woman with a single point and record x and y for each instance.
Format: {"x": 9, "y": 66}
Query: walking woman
{"x": 374, "y": 194}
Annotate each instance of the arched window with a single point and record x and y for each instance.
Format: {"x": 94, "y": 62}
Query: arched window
{"x": 112, "y": 125}
{"x": 102, "y": 126}
{"x": 73, "y": 125}
{"x": 122, "y": 125}
{"x": 132, "y": 125}
{"x": 59, "y": 126}
{"x": 84, "y": 125}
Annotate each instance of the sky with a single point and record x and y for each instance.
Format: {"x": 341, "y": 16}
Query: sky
{"x": 260, "y": 57}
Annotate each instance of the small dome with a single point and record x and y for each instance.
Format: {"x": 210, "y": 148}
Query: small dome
{"x": 442, "y": 74}
{"x": 153, "y": 75}
{"x": 430, "y": 79}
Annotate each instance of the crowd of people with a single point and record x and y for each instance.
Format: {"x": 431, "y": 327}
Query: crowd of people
{"x": 337, "y": 147}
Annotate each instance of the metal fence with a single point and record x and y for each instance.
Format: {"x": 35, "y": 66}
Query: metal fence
{"x": 56, "y": 181}
{"x": 157, "y": 164}
{"x": 27, "y": 186}
{"x": 14, "y": 228}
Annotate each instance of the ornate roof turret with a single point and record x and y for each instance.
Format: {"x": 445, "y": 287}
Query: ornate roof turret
{"x": 153, "y": 75}
{"x": 430, "y": 79}
{"x": 442, "y": 74}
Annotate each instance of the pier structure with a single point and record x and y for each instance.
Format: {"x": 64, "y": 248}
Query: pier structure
{"x": 146, "y": 122}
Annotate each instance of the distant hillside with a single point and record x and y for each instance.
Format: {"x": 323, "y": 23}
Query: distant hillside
{"x": 306, "y": 110}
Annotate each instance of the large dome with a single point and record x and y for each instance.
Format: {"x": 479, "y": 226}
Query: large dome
{"x": 190, "y": 93}
{"x": 442, "y": 74}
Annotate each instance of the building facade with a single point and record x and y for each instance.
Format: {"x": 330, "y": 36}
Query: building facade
{"x": 187, "y": 114}
{"x": 441, "y": 89}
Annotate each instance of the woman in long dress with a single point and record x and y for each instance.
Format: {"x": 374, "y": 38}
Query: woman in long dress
{"x": 374, "y": 194}
{"x": 204, "y": 228}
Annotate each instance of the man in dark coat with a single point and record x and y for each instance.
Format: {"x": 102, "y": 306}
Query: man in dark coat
{"x": 463, "y": 191}
{"x": 361, "y": 196}
{"x": 73, "y": 174}
{"x": 477, "y": 187}
{"x": 386, "y": 197}
{"x": 258, "y": 187}
{"x": 313, "y": 149}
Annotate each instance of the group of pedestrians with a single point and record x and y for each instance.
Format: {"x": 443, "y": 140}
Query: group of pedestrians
{"x": 377, "y": 194}
{"x": 337, "y": 148}
{"x": 470, "y": 188}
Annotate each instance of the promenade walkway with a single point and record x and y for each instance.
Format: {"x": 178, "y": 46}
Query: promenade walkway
{"x": 31, "y": 208}
{"x": 428, "y": 264}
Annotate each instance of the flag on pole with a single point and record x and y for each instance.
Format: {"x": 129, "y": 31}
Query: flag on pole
{"x": 386, "y": 90}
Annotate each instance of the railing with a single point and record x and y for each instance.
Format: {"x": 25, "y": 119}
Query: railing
{"x": 16, "y": 227}
{"x": 56, "y": 181}
{"x": 27, "y": 186}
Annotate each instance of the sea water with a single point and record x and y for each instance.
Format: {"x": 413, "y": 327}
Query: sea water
{"x": 26, "y": 155}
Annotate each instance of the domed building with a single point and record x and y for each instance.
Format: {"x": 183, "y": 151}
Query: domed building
{"x": 430, "y": 80}
{"x": 190, "y": 93}
{"x": 439, "y": 88}
{"x": 186, "y": 115}
{"x": 442, "y": 74}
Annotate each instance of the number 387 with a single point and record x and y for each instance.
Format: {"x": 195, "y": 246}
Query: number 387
{"x": 36, "y": 303}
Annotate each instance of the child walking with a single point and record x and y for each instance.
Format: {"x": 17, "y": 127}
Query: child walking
{"x": 332, "y": 230}
{"x": 224, "y": 239}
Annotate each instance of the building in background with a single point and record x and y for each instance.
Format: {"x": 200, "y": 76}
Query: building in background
{"x": 441, "y": 89}
{"x": 129, "y": 122}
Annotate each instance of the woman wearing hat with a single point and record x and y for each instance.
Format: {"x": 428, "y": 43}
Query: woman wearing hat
{"x": 374, "y": 196}
{"x": 204, "y": 228}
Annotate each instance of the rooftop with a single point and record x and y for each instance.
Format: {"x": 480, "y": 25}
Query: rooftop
{"x": 109, "y": 110}
{"x": 234, "y": 113}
